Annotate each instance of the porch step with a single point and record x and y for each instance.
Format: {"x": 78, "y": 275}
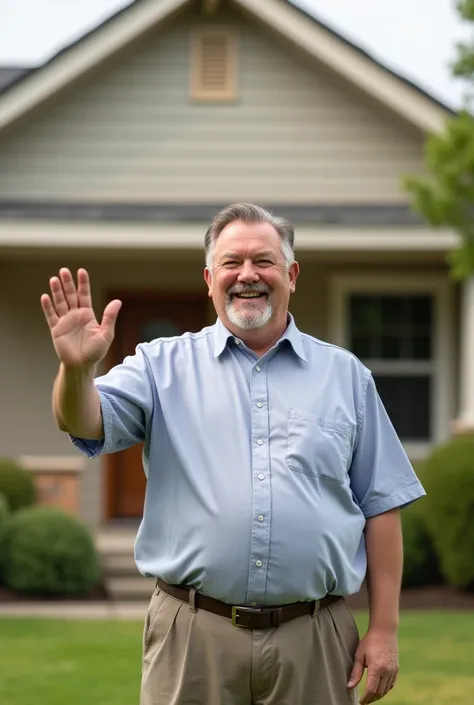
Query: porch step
{"x": 129, "y": 589}
{"x": 122, "y": 580}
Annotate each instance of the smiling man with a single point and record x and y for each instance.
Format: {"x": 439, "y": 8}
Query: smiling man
{"x": 274, "y": 483}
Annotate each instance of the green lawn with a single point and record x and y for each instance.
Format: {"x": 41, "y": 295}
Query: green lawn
{"x": 46, "y": 662}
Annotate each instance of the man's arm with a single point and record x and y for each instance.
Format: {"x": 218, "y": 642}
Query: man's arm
{"x": 378, "y": 650}
{"x": 384, "y": 546}
{"x": 76, "y": 403}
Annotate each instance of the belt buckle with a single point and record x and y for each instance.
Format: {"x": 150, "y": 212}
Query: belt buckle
{"x": 236, "y": 610}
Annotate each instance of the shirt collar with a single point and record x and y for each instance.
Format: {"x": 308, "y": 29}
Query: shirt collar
{"x": 291, "y": 334}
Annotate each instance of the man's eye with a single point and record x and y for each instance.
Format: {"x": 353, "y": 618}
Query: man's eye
{"x": 264, "y": 262}
{"x": 230, "y": 263}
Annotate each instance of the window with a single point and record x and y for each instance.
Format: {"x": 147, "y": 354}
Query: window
{"x": 399, "y": 327}
{"x": 213, "y": 70}
{"x": 393, "y": 335}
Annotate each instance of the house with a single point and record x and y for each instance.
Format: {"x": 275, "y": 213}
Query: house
{"x": 117, "y": 152}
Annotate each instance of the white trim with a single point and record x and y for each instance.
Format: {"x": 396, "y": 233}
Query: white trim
{"x": 82, "y": 57}
{"x": 465, "y": 421}
{"x": 344, "y": 284}
{"x": 52, "y": 463}
{"x": 418, "y": 109}
{"x": 43, "y": 234}
{"x": 363, "y": 72}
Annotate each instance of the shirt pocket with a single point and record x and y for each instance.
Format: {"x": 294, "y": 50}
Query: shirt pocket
{"x": 318, "y": 447}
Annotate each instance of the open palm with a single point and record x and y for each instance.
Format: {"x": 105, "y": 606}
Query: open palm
{"x": 77, "y": 336}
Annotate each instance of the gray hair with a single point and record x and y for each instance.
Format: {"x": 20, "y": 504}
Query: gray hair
{"x": 249, "y": 213}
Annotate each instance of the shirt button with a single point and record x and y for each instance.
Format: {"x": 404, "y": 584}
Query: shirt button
{"x": 261, "y": 477}
{"x": 237, "y": 342}
{"x": 258, "y": 368}
{"x": 258, "y": 564}
{"x": 259, "y": 405}
{"x": 260, "y": 518}
{"x": 260, "y": 442}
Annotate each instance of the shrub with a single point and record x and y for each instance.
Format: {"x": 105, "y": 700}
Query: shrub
{"x": 4, "y": 516}
{"x": 448, "y": 509}
{"x": 16, "y": 484}
{"x": 420, "y": 564}
{"x": 47, "y": 552}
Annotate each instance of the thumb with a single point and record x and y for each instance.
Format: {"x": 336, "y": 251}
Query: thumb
{"x": 357, "y": 672}
{"x": 109, "y": 318}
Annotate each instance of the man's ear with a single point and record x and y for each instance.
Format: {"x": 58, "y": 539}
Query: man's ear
{"x": 293, "y": 275}
{"x": 208, "y": 280}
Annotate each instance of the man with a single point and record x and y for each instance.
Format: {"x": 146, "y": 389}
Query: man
{"x": 275, "y": 480}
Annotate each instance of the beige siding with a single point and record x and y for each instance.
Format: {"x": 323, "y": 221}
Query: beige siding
{"x": 130, "y": 133}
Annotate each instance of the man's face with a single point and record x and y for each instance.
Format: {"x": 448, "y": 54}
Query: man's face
{"x": 250, "y": 283}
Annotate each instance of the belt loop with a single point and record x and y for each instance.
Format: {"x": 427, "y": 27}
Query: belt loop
{"x": 157, "y": 587}
{"x": 192, "y": 600}
{"x": 316, "y": 608}
{"x": 277, "y": 617}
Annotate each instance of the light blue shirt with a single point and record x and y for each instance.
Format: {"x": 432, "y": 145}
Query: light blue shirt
{"x": 261, "y": 471}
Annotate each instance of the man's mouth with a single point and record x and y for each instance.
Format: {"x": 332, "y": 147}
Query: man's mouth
{"x": 250, "y": 295}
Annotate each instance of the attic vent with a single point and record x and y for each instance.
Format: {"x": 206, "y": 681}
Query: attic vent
{"x": 214, "y": 65}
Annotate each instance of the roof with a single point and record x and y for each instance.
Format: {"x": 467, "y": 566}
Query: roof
{"x": 336, "y": 214}
{"x": 10, "y": 75}
{"x": 28, "y": 88}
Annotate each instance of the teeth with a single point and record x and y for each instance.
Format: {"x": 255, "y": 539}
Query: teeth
{"x": 250, "y": 296}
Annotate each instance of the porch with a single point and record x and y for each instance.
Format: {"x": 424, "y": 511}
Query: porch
{"x": 387, "y": 296}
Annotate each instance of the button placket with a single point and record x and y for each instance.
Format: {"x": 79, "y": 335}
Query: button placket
{"x": 260, "y": 537}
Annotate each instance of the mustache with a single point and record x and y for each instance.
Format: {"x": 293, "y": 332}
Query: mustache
{"x": 248, "y": 289}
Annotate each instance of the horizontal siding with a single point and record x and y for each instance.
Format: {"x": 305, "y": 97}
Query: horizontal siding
{"x": 130, "y": 133}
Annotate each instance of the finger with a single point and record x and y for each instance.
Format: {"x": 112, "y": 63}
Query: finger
{"x": 83, "y": 289}
{"x": 49, "y": 311}
{"x": 59, "y": 300}
{"x": 109, "y": 318}
{"x": 392, "y": 681}
{"x": 356, "y": 674}
{"x": 384, "y": 687}
{"x": 371, "y": 690}
{"x": 69, "y": 287}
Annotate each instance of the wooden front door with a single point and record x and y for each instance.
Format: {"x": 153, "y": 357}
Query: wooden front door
{"x": 141, "y": 319}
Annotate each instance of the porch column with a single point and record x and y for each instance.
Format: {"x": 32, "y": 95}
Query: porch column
{"x": 465, "y": 422}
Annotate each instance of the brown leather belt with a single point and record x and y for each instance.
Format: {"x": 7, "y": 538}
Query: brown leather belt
{"x": 248, "y": 617}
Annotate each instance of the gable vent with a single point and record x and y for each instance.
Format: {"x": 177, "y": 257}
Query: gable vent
{"x": 214, "y": 65}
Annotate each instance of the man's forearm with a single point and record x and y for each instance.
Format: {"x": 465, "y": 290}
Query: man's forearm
{"x": 383, "y": 538}
{"x": 76, "y": 403}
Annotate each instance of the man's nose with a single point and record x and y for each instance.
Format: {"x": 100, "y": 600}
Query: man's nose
{"x": 248, "y": 273}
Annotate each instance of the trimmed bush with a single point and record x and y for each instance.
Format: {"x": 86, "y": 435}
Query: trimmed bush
{"x": 420, "y": 564}
{"x": 4, "y": 517}
{"x": 448, "y": 509}
{"x": 47, "y": 552}
{"x": 16, "y": 484}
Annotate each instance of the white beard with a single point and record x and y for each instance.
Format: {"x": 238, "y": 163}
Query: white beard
{"x": 249, "y": 317}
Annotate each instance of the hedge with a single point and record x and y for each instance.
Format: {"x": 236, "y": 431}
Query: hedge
{"x": 47, "y": 552}
{"x": 448, "y": 509}
{"x": 16, "y": 484}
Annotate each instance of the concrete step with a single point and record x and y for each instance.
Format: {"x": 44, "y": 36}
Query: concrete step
{"x": 120, "y": 564}
{"x": 123, "y": 582}
{"x": 127, "y": 589}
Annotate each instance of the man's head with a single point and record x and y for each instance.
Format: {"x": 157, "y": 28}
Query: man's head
{"x": 250, "y": 267}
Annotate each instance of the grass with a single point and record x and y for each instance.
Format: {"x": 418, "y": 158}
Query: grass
{"x": 49, "y": 662}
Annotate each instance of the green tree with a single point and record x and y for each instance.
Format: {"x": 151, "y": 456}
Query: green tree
{"x": 445, "y": 198}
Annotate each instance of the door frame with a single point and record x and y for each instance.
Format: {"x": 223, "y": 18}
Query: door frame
{"x": 113, "y": 358}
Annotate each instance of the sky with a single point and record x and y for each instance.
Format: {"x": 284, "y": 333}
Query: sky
{"x": 416, "y": 38}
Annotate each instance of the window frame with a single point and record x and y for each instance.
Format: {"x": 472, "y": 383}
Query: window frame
{"x": 346, "y": 284}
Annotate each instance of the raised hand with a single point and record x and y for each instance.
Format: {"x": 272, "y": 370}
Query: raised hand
{"x": 78, "y": 338}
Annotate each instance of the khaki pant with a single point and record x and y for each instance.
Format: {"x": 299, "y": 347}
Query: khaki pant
{"x": 199, "y": 658}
